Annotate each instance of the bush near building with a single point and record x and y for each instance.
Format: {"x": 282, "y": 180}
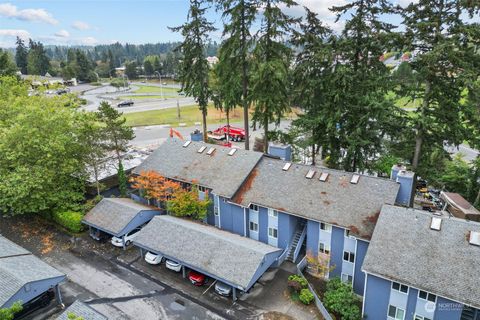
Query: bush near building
{"x": 340, "y": 300}
{"x": 71, "y": 220}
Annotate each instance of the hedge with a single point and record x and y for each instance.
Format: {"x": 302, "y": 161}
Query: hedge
{"x": 71, "y": 220}
{"x": 306, "y": 297}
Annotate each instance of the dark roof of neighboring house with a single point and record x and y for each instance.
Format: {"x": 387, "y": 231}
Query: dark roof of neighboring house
{"x": 459, "y": 203}
{"x": 404, "y": 249}
{"x": 220, "y": 172}
{"x": 114, "y": 214}
{"x": 220, "y": 253}
{"x": 335, "y": 201}
{"x": 80, "y": 309}
{"x": 19, "y": 267}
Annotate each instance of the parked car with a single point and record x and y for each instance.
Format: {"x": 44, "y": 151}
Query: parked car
{"x": 39, "y": 302}
{"x": 197, "y": 278}
{"x": 128, "y": 103}
{"x": 117, "y": 242}
{"x": 62, "y": 91}
{"x": 172, "y": 265}
{"x": 223, "y": 289}
{"x": 152, "y": 258}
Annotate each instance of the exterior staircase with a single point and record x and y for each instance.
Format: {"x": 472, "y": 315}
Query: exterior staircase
{"x": 297, "y": 237}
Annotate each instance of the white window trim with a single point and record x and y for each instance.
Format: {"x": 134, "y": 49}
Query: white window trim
{"x": 273, "y": 213}
{"x": 250, "y": 226}
{"x": 428, "y": 293}
{"x": 328, "y": 227}
{"x": 419, "y": 316}
{"x": 326, "y": 247}
{"x": 349, "y": 254}
{"x": 271, "y": 236}
{"x": 396, "y": 309}
{"x": 347, "y": 275}
{"x": 253, "y": 205}
{"x": 408, "y": 288}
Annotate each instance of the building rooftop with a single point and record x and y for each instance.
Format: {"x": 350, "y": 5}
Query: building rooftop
{"x": 19, "y": 267}
{"x": 114, "y": 214}
{"x": 80, "y": 309}
{"x": 459, "y": 206}
{"x": 220, "y": 253}
{"x": 219, "y": 171}
{"x": 337, "y": 200}
{"x": 407, "y": 247}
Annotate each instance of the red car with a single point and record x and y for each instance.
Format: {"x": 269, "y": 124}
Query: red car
{"x": 197, "y": 278}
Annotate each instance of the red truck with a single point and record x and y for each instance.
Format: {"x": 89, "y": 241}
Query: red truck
{"x": 235, "y": 133}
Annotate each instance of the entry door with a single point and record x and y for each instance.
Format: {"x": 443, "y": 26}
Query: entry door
{"x": 253, "y": 224}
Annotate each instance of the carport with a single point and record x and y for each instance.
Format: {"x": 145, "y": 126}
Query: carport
{"x": 232, "y": 259}
{"x": 117, "y": 217}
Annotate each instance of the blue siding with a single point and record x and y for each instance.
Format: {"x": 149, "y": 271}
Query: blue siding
{"x": 338, "y": 235}
{"x": 411, "y": 303}
{"x": 142, "y": 217}
{"x": 404, "y": 194}
{"x": 226, "y": 219}
{"x": 238, "y": 219}
{"x": 269, "y": 259}
{"x": 263, "y": 224}
{"x": 286, "y": 227}
{"x": 377, "y": 295}
{"x": 359, "y": 279}
{"x": 313, "y": 229}
{"x": 447, "y": 310}
{"x": 36, "y": 289}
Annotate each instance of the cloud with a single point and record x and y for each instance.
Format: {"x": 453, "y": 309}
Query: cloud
{"x": 37, "y": 15}
{"x": 88, "y": 41}
{"x": 13, "y": 33}
{"x": 80, "y": 25}
{"x": 62, "y": 34}
{"x": 405, "y": 3}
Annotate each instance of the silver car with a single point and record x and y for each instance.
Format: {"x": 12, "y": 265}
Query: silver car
{"x": 223, "y": 289}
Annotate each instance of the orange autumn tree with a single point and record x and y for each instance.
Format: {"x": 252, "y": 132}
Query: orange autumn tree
{"x": 155, "y": 186}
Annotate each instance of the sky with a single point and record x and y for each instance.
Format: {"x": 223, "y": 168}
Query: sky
{"x": 89, "y": 22}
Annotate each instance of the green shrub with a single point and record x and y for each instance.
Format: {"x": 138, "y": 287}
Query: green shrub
{"x": 71, "y": 220}
{"x": 297, "y": 283}
{"x": 340, "y": 298}
{"x": 306, "y": 297}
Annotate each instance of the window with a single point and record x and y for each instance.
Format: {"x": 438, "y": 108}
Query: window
{"x": 272, "y": 213}
{"x": 395, "y": 313}
{"x": 399, "y": 287}
{"x": 215, "y": 210}
{"x": 346, "y": 278}
{"x": 323, "y": 248}
{"x": 427, "y": 296}
{"x": 202, "y": 189}
{"x": 273, "y": 233}
{"x": 418, "y": 317}
{"x": 348, "y": 256}
{"x": 253, "y": 207}
{"x": 253, "y": 226}
{"x": 325, "y": 227}
{"x": 347, "y": 233}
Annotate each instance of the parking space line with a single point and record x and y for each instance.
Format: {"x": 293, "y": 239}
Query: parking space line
{"x": 209, "y": 287}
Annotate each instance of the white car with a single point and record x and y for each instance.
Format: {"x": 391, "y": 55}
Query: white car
{"x": 223, "y": 289}
{"x": 152, "y": 258}
{"x": 172, "y": 265}
{"x": 117, "y": 242}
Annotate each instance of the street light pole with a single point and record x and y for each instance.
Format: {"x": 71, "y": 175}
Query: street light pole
{"x": 160, "y": 80}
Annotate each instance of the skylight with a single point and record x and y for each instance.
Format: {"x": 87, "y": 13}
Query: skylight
{"x": 436, "y": 224}
{"x": 474, "y": 238}
{"x": 310, "y": 174}
{"x": 287, "y": 166}
{"x": 187, "y": 143}
{"x": 201, "y": 149}
{"x": 355, "y": 179}
{"x": 232, "y": 152}
{"x": 211, "y": 151}
{"x": 323, "y": 176}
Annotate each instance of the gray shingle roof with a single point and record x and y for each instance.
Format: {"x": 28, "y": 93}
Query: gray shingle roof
{"x": 335, "y": 201}
{"x": 220, "y": 172}
{"x": 113, "y": 214}
{"x": 220, "y": 253}
{"x": 406, "y": 250}
{"x": 80, "y": 309}
{"x": 19, "y": 267}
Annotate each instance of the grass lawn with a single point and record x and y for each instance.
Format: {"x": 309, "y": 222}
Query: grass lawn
{"x": 154, "y": 89}
{"x": 169, "y": 95}
{"x": 189, "y": 115}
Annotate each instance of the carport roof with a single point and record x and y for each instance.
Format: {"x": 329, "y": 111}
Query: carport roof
{"x": 219, "y": 171}
{"x": 114, "y": 214}
{"x": 224, "y": 255}
{"x": 19, "y": 267}
{"x": 80, "y": 309}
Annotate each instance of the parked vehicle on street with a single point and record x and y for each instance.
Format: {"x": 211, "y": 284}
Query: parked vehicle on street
{"x": 221, "y": 133}
{"x": 127, "y": 103}
{"x": 39, "y": 302}
{"x": 152, "y": 258}
{"x": 117, "y": 242}
{"x": 197, "y": 278}
{"x": 223, "y": 289}
{"x": 172, "y": 265}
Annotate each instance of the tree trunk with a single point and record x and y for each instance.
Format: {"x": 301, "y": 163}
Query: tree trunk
{"x": 419, "y": 135}
{"x": 228, "y": 125}
{"x": 97, "y": 183}
{"x": 313, "y": 154}
{"x": 178, "y": 109}
{"x": 265, "y": 138}
{"x": 245, "y": 82}
{"x": 204, "y": 119}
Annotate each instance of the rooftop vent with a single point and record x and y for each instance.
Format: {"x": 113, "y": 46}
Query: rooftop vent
{"x": 211, "y": 151}
{"x": 355, "y": 179}
{"x": 201, "y": 149}
{"x": 323, "y": 176}
{"x": 310, "y": 174}
{"x": 232, "y": 152}
{"x": 287, "y": 166}
{"x": 436, "y": 224}
{"x": 474, "y": 238}
{"x": 187, "y": 143}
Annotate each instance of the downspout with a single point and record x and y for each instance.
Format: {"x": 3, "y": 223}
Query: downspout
{"x": 244, "y": 222}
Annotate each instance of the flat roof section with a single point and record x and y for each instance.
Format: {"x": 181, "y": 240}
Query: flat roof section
{"x": 220, "y": 254}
